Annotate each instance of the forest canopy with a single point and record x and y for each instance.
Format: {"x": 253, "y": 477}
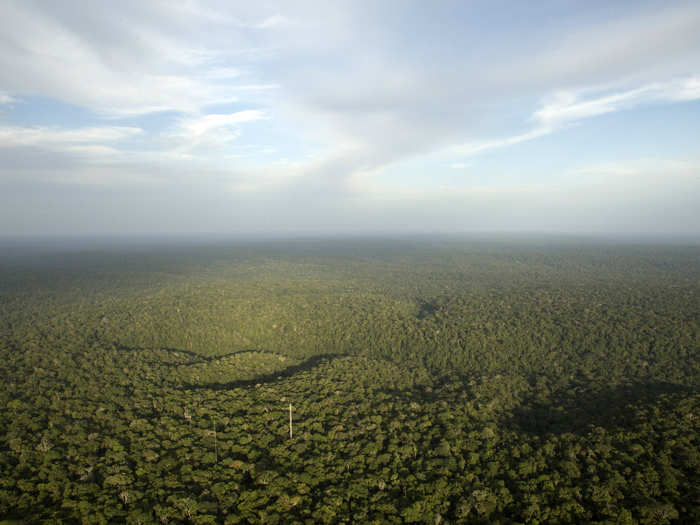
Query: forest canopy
{"x": 443, "y": 380}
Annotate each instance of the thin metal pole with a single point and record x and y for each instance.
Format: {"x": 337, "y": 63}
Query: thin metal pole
{"x": 216, "y": 450}
{"x": 290, "y": 420}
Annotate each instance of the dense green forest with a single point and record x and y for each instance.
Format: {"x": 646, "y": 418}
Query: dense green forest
{"x": 431, "y": 381}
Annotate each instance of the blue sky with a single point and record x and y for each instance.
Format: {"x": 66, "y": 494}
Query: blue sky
{"x": 349, "y": 117}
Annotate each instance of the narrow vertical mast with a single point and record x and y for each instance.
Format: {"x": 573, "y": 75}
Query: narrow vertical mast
{"x": 290, "y": 420}
{"x": 216, "y": 448}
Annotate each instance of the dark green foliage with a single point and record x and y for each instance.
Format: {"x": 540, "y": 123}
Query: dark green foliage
{"x": 435, "y": 382}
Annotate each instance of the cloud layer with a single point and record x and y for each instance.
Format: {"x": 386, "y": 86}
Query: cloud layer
{"x": 345, "y": 116}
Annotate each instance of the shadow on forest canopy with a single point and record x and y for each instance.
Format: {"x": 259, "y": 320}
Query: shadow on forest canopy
{"x": 578, "y": 410}
{"x": 272, "y": 377}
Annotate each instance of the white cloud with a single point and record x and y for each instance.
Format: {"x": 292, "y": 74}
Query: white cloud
{"x": 146, "y": 57}
{"x": 274, "y": 21}
{"x": 222, "y": 73}
{"x": 51, "y": 137}
{"x": 199, "y": 126}
{"x": 474, "y": 148}
{"x": 7, "y": 99}
{"x": 685, "y": 91}
{"x": 92, "y": 150}
{"x": 396, "y": 106}
{"x": 211, "y": 134}
{"x": 569, "y": 107}
{"x": 641, "y": 46}
{"x": 51, "y": 150}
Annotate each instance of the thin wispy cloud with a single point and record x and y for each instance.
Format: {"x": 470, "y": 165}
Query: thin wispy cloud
{"x": 568, "y": 108}
{"x": 207, "y": 134}
{"x": 474, "y": 148}
{"x": 275, "y": 21}
{"x": 44, "y": 136}
{"x": 205, "y": 124}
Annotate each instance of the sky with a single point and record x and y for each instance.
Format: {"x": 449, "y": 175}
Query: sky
{"x": 194, "y": 117}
